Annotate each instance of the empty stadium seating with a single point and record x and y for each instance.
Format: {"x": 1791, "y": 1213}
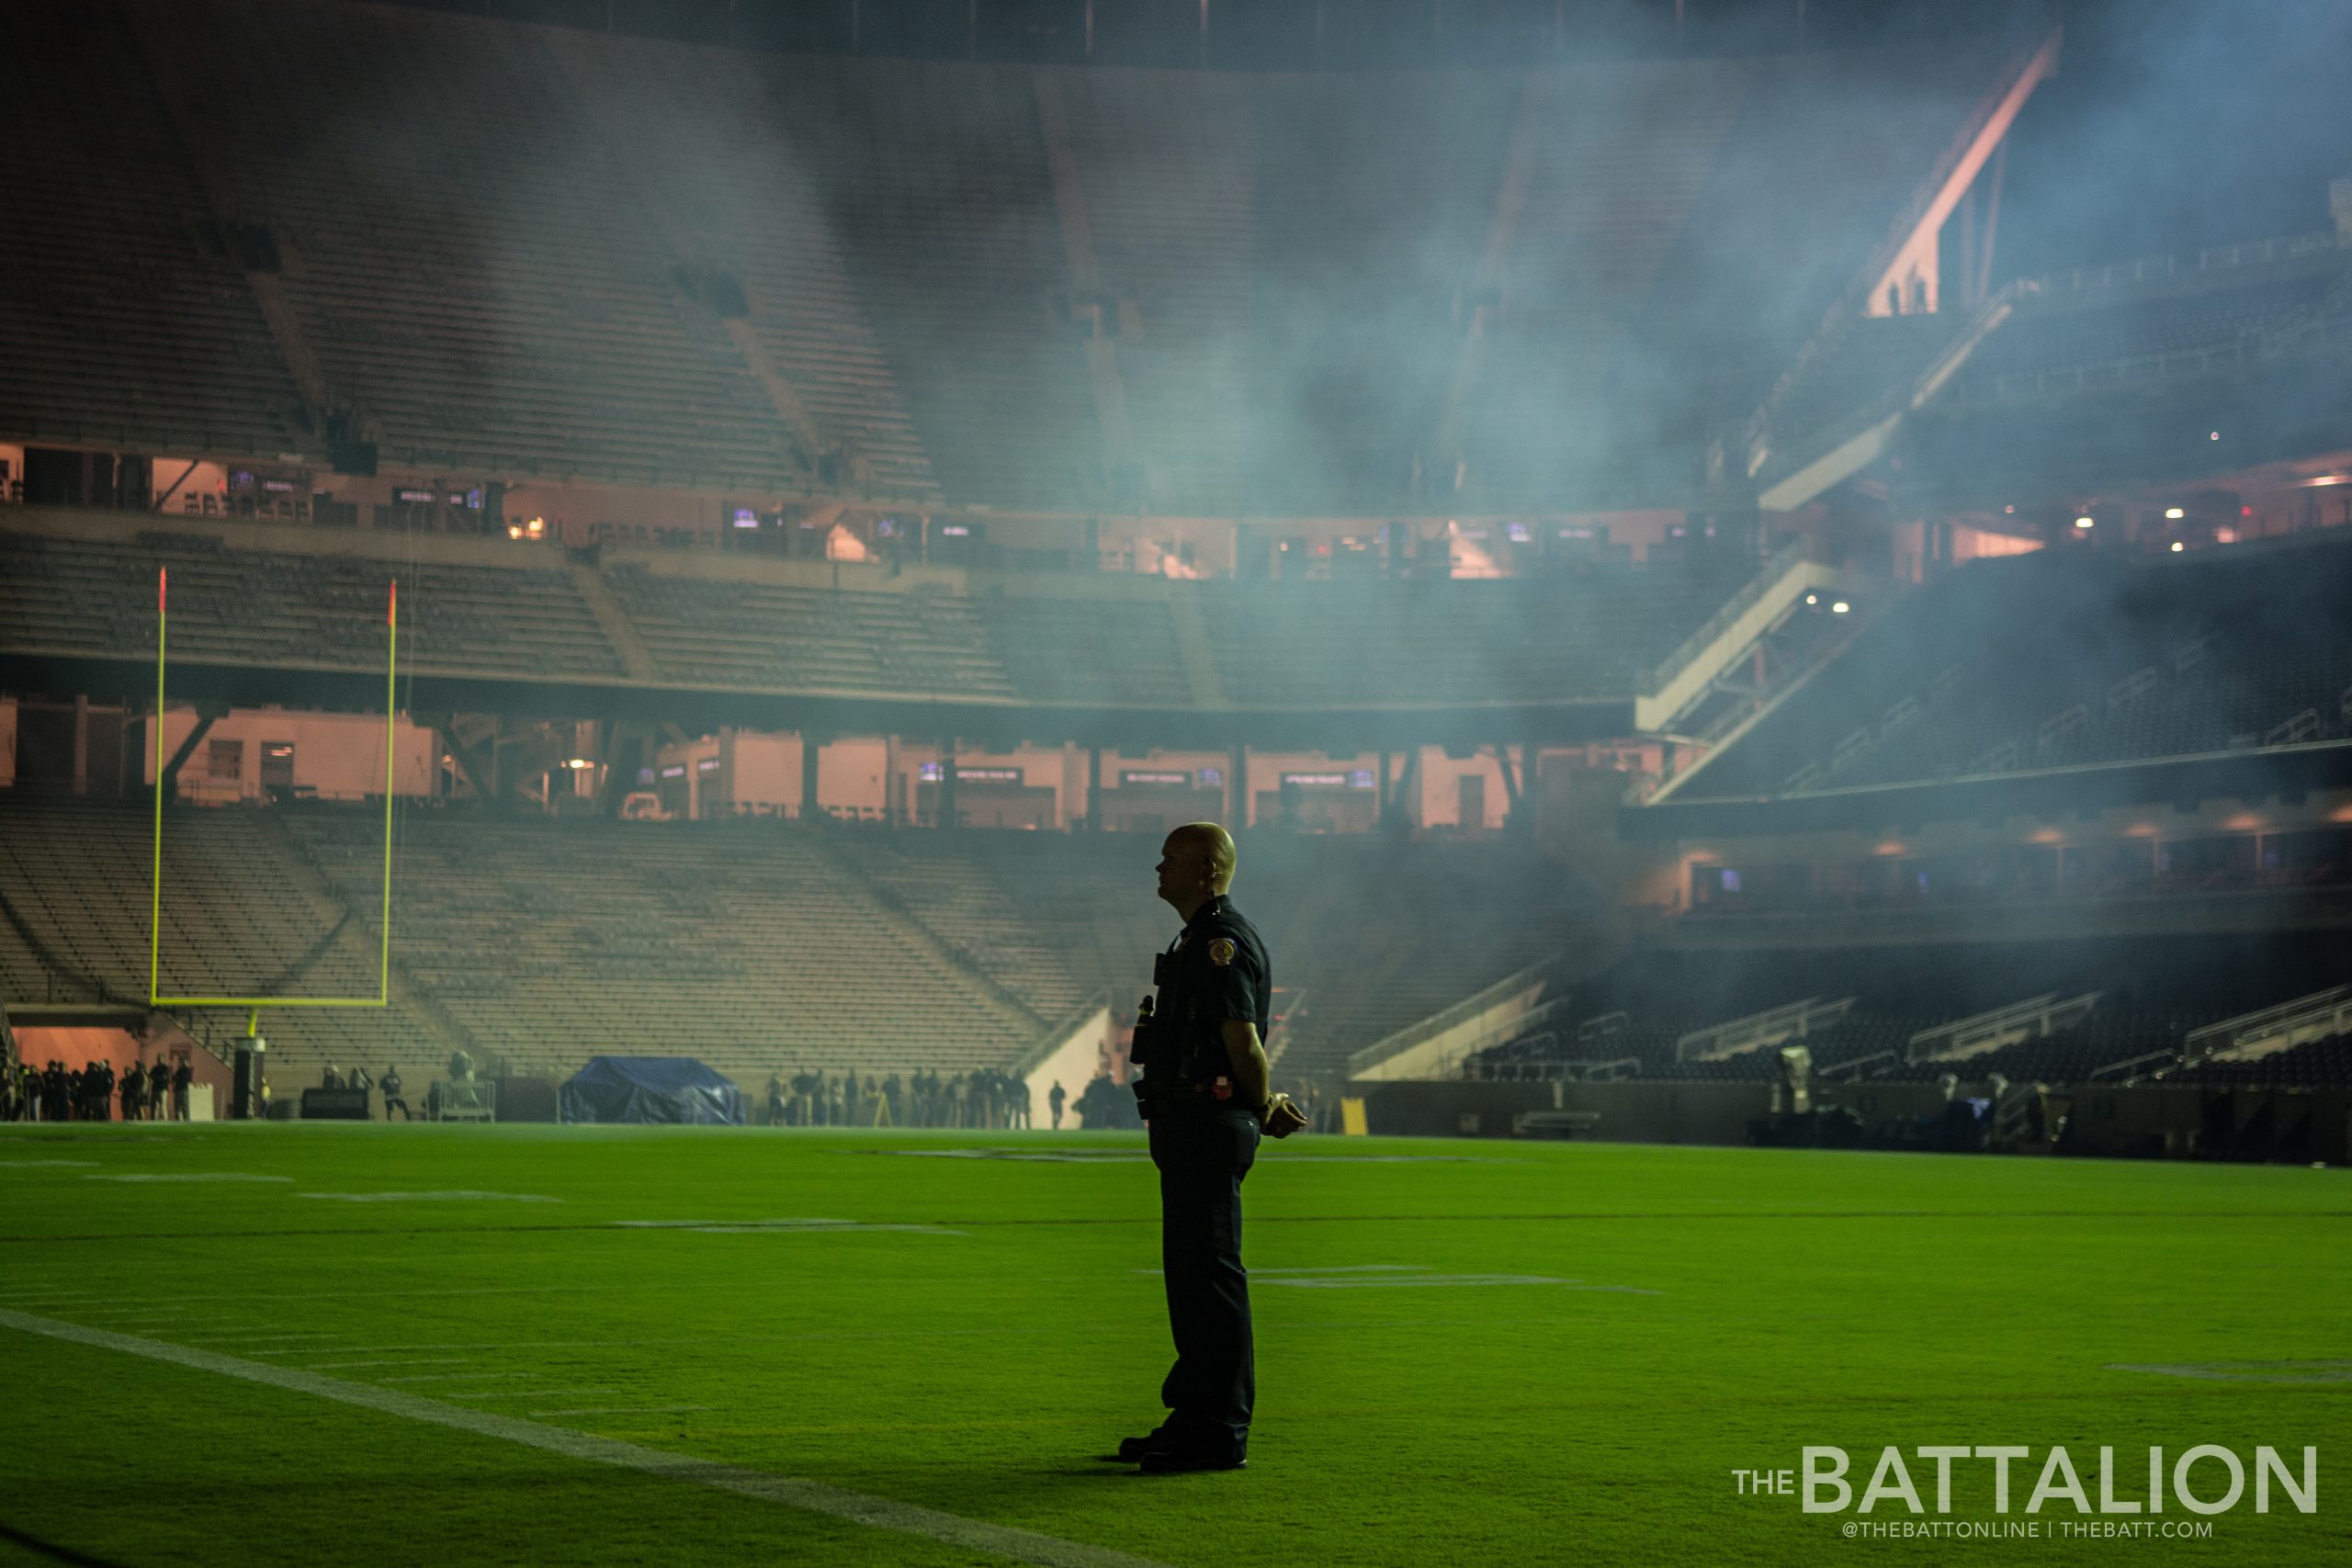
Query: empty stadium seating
{"x": 754, "y": 209}
{"x": 530, "y": 252}
{"x": 744, "y": 945}
{"x": 1092, "y": 652}
{"x": 96, "y": 593}
{"x": 1166, "y": 167}
{"x": 238, "y": 911}
{"x": 1278, "y": 644}
{"x": 126, "y": 321}
{"x": 2053, "y": 345}
{"x": 457, "y": 260}
{"x": 2065, "y": 659}
{"x": 936, "y": 176}
{"x": 84, "y": 584}
{"x": 1348, "y": 920}
{"x": 753, "y": 946}
{"x": 748, "y": 633}
{"x": 1625, "y": 1024}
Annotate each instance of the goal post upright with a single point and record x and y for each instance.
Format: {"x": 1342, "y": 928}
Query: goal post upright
{"x": 383, "y": 996}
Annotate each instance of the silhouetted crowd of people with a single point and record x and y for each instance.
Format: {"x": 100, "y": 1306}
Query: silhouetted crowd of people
{"x": 977, "y": 1099}
{"x": 92, "y": 1092}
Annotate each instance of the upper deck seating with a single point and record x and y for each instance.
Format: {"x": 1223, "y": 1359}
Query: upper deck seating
{"x": 284, "y": 608}
{"x": 125, "y": 321}
{"x": 2055, "y": 660}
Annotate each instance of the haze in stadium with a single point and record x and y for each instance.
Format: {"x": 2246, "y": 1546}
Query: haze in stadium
{"x": 1759, "y": 585}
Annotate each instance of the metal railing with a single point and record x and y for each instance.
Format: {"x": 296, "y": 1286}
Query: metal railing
{"x": 2030, "y": 1019}
{"x": 2156, "y": 269}
{"x": 2129, "y": 1068}
{"x": 1767, "y": 578}
{"x": 1795, "y": 1020}
{"x": 2332, "y": 1007}
{"x": 1460, "y": 1013}
{"x": 1855, "y": 1065}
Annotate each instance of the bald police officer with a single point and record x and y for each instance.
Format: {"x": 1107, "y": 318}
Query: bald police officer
{"x": 1205, "y": 1095}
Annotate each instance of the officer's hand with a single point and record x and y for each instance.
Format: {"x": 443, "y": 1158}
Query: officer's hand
{"x": 1283, "y": 1118}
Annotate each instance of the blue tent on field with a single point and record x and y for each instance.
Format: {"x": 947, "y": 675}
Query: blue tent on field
{"x": 650, "y": 1089}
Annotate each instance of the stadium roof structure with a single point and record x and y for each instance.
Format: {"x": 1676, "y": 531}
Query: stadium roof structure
{"x": 447, "y": 245}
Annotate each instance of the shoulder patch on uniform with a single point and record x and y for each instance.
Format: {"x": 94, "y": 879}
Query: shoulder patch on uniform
{"x": 1221, "y": 952}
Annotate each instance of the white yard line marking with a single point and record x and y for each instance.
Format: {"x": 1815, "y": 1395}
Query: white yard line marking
{"x": 1345, "y": 1268}
{"x": 2292, "y": 1372}
{"x": 192, "y": 1176}
{"x": 1401, "y": 1276}
{"x": 624, "y": 1410}
{"x": 432, "y": 1197}
{"x": 777, "y": 1227}
{"x": 245, "y": 1298}
{"x": 1408, "y": 1282}
{"x": 880, "y": 1513}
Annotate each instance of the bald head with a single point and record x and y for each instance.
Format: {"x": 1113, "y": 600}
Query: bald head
{"x": 1195, "y": 864}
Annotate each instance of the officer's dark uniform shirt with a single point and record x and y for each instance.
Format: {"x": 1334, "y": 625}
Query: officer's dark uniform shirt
{"x": 1218, "y": 970}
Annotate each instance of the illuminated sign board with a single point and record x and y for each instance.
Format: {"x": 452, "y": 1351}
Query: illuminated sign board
{"x": 1355, "y": 778}
{"x": 1178, "y": 778}
{"x": 929, "y": 774}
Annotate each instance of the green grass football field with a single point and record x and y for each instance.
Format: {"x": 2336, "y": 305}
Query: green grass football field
{"x": 274, "y": 1344}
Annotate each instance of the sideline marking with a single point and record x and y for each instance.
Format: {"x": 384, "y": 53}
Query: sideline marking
{"x": 816, "y": 1497}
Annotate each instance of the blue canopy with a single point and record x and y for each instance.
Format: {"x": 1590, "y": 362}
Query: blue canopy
{"x": 649, "y": 1089}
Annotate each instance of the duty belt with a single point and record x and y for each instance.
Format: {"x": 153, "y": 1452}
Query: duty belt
{"x": 1185, "y": 1092}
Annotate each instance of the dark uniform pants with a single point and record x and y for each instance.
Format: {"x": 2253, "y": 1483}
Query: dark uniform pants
{"x": 1202, "y": 1157}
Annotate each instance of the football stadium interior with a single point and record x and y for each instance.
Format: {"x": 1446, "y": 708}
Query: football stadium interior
{"x": 1770, "y": 577}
